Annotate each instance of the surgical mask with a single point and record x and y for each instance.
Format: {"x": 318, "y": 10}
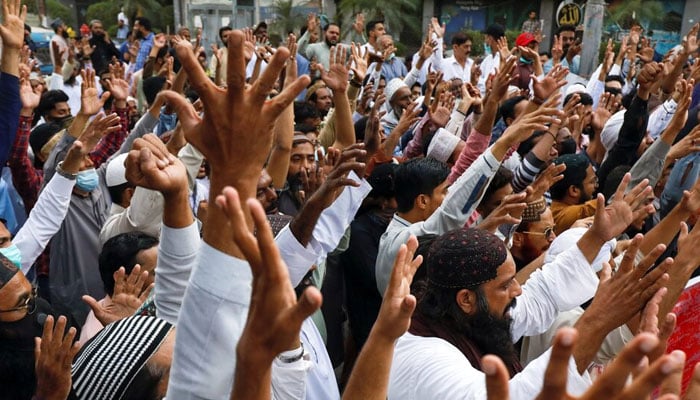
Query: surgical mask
{"x": 525, "y": 60}
{"x": 12, "y": 253}
{"x": 87, "y": 180}
{"x": 487, "y": 49}
{"x": 392, "y": 55}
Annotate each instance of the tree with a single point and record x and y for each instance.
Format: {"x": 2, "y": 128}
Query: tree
{"x": 57, "y": 10}
{"x": 287, "y": 19}
{"x": 400, "y": 16}
{"x": 649, "y": 12}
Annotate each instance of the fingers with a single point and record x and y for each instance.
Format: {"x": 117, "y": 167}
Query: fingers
{"x": 693, "y": 390}
{"x": 274, "y": 266}
{"x": 554, "y": 386}
{"x": 235, "y": 70}
{"x": 654, "y": 376}
{"x": 497, "y": 378}
{"x": 308, "y": 303}
{"x": 94, "y": 305}
{"x": 650, "y": 322}
{"x": 186, "y": 113}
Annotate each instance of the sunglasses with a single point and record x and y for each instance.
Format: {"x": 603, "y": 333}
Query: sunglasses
{"x": 548, "y": 232}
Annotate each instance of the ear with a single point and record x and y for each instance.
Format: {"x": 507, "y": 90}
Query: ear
{"x": 422, "y": 201}
{"x": 518, "y": 239}
{"x": 574, "y": 191}
{"x": 466, "y": 300}
{"x": 128, "y": 194}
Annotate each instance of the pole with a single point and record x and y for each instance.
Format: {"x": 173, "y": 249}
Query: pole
{"x": 592, "y": 32}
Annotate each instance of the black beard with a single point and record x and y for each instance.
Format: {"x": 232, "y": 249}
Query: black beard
{"x": 329, "y": 43}
{"x": 65, "y": 34}
{"x": 491, "y": 333}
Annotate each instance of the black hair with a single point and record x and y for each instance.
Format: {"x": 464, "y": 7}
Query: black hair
{"x": 501, "y": 178}
{"x": 325, "y": 28}
{"x": 360, "y": 126}
{"x": 566, "y": 28}
{"x": 371, "y": 25}
{"x": 416, "y": 177}
{"x": 116, "y": 193}
{"x": 612, "y": 181}
{"x": 460, "y": 38}
{"x": 305, "y": 128}
{"x": 615, "y": 78}
{"x": 145, "y": 22}
{"x": 144, "y": 386}
{"x": 584, "y": 98}
{"x": 121, "y": 251}
{"x": 304, "y": 111}
{"x": 507, "y": 108}
{"x": 574, "y": 174}
{"x": 528, "y": 144}
{"x": 49, "y": 100}
{"x": 222, "y": 30}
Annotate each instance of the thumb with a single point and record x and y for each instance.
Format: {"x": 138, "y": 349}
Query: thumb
{"x": 309, "y": 302}
{"x": 94, "y": 305}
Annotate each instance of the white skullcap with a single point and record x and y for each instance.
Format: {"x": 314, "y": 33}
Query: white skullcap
{"x": 443, "y": 145}
{"x": 611, "y": 130}
{"x": 512, "y": 91}
{"x": 392, "y": 87}
{"x": 569, "y": 238}
{"x": 575, "y": 88}
{"x": 116, "y": 171}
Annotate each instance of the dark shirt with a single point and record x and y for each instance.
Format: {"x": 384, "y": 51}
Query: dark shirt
{"x": 101, "y": 57}
{"x": 10, "y": 105}
{"x": 358, "y": 261}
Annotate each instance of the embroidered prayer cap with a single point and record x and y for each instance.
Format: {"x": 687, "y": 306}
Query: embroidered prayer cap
{"x": 106, "y": 364}
{"x": 465, "y": 258}
{"x": 569, "y": 238}
{"x": 8, "y": 269}
{"x": 442, "y": 145}
{"x": 534, "y": 210}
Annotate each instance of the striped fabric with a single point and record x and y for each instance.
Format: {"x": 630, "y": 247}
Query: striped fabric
{"x": 106, "y": 365}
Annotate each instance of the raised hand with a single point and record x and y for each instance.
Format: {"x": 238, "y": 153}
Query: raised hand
{"x": 503, "y": 77}
{"x": 90, "y": 104}
{"x": 337, "y": 179}
{"x": 550, "y": 84}
{"x": 248, "y": 44}
{"x": 30, "y": 99}
{"x": 602, "y": 114}
{"x": 159, "y": 41}
{"x": 150, "y": 165}
{"x": 275, "y": 316}
{"x": 336, "y": 78}
{"x": 551, "y": 175}
{"x": 647, "y": 77}
{"x": 12, "y": 29}
{"x": 624, "y": 208}
{"x": 53, "y": 355}
{"x": 442, "y": 109}
{"x": 557, "y": 50}
{"x": 688, "y": 145}
{"x": 129, "y": 294}
{"x": 508, "y": 212}
{"x": 360, "y": 62}
{"x": 117, "y": 86}
{"x": 100, "y": 126}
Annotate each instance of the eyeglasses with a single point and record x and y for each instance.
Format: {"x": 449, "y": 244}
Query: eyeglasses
{"x": 29, "y": 304}
{"x": 548, "y": 232}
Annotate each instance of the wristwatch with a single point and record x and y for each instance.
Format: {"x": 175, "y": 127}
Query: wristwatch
{"x": 67, "y": 175}
{"x": 292, "y": 356}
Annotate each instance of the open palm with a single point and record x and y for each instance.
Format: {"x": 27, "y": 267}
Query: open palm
{"x": 336, "y": 78}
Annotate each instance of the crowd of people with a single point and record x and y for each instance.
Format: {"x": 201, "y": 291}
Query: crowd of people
{"x": 322, "y": 219}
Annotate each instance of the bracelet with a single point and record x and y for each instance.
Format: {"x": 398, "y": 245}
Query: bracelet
{"x": 63, "y": 173}
{"x": 553, "y": 135}
{"x": 288, "y": 359}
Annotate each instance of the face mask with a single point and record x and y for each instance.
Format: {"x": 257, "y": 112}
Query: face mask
{"x": 12, "y": 253}
{"x": 87, "y": 180}
{"x": 487, "y": 49}
{"x": 525, "y": 60}
{"x": 392, "y": 55}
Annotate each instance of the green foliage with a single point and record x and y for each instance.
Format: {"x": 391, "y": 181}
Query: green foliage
{"x": 478, "y": 41}
{"x": 649, "y": 12}
{"x": 402, "y": 17}
{"x": 288, "y": 19}
{"x": 57, "y": 10}
{"x": 160, "y": 14}
{"x": 105, "y": 11}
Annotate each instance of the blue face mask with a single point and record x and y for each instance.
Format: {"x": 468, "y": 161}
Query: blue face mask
{"x": 525, "y": 60}
{"x": 87, "y": 180}
{"x": 487, "y": 49}
{"x": 12, "y": 253}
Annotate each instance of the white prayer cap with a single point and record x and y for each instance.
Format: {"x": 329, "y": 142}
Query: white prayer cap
{"x": 392, "y": 87}
{"x": 443, "y": 145}
{"x": 116, "y": 171}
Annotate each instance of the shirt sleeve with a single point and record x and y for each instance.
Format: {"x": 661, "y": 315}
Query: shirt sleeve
{"x": 10, "y": 106}
{"x": 25, "y": 178}
{"x": 145, "y": 214}
{"x": 45, "y": 220}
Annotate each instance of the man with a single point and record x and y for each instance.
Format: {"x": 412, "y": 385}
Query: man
{"x": 124, "y": 250}
{"x": 459, "y": 65}
{"x": 260, "y": 33}
{"x": 570, "y": 50}
{"x": 143, "y": 32}
{"x": 59, "y": 41}
{"x": 572, "y": 197}
{"x": 103, "y": 48}
{"x": 321, "y": 51}
{"x": 532, "y": 24}
{"x": 389, "y": 65}
{"x": 534, "y": 234}
{"x": 528, "y": 64}
{"x": 321, "y": 98}
{"x": 223, "y": 56}
{"x": 398, "y": 98}
{"x": 54, "y": 108}
{"x": 492, "y": 57}
{"x": 302, "y": 161}
{"x": 375, "y": 29}
{"x": 469, "y": 309}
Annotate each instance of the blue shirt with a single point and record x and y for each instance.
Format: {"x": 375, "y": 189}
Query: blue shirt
{"x": 144, "y": 50}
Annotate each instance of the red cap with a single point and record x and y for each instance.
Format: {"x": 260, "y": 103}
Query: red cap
{"x": 524, "y": 39}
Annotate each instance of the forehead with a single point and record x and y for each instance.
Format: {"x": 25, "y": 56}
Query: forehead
{"x": 17, "y": 287}
{"x": 567, "y": 34}
{"x": 322, "y": 92}
{"x": 333, "y": 29}
{"x": 303, "y": 148}
{"x": 265, "y": 179}
{"x": 504, "y": 273}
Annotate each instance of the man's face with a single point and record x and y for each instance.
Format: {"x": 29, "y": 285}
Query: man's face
{"x": 487, "y": 206}
{"x": 302, "y": 157}
{"x": 589, "y": 185}
{"x": 436, "y": 198}
{"x": 5, "y": 236}
{"x": 185, "y": 33}
{"x": 386, "y": 42}
{"x": 261, "y": 35}
{"x": 538, "y": 237}
{"x": 532, "y": 15}
{"x": 567, "y": 39}
{"x": 415, "y": 92}
{"x": 461, "y": 51}
{"x": 13, "y": 295}
{"x": 148, "y": 259}
{"x": 59, "y": 111}
{"x": 501, "y": 292}
{"x": 97, "y": 29}
{"x": 324, "y": 100}
{"x": 138, "y": 29}
{"x": 377, "y": 31}
{"x": 544, "y": 58}
{"x": 614, "y": 88}
{"x": 332, "y": 35}
{"x": 266, "y": 194}
{"x": 401, "y": 100}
